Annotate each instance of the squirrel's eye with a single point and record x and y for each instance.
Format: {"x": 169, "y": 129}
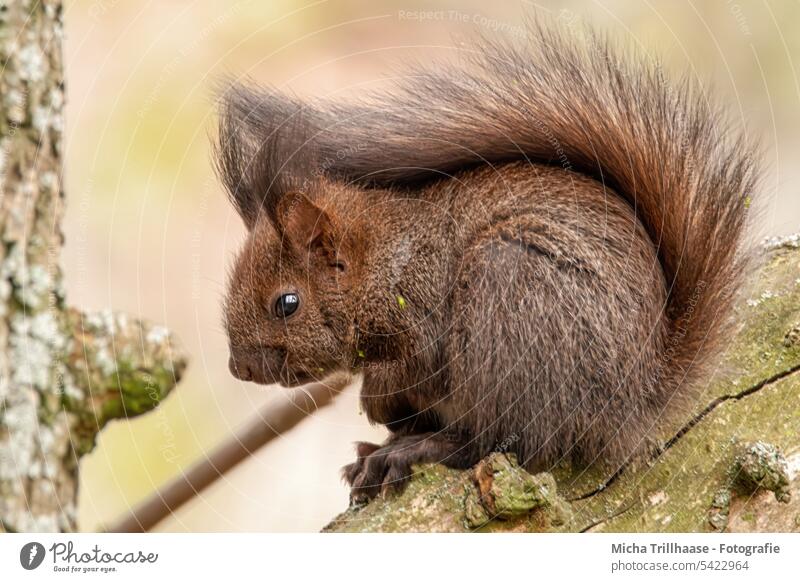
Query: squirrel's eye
{"x": 287, "y": 304}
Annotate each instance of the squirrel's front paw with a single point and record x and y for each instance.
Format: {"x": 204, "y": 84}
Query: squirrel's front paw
{"x": 387, "y": 468}
{"x": 378, "y": 470}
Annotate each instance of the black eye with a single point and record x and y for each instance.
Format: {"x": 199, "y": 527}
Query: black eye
{"x": 287, "y": 304}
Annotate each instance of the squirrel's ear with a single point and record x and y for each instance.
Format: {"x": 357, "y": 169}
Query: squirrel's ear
{"x": 304, "y": 224}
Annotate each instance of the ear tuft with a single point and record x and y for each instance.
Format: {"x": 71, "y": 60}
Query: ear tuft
{"x": 262, "y": 149}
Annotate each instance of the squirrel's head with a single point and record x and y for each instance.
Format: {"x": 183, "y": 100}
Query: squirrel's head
{"x": 287, "y": 314}
{"x": 289, "y": 311}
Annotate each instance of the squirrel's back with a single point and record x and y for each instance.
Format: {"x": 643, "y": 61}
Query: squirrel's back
{"x": 556, "y": 331}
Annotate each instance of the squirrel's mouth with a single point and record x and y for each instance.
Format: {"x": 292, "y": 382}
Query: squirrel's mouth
{"x": 267, "y": 366}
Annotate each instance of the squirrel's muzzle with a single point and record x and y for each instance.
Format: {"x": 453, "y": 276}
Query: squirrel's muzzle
{"x": 259, "y": 365}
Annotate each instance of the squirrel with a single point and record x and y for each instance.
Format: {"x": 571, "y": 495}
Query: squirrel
{"x": 536, "y": 250}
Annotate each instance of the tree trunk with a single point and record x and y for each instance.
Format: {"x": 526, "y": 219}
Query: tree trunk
{"x": 732, "y": 465}
{"x": 63, "y": 374}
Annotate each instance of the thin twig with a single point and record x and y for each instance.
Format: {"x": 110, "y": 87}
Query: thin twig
{"x": 273, "y": 421}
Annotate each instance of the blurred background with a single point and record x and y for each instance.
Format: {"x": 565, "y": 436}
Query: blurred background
{"x": 149, "y": 230}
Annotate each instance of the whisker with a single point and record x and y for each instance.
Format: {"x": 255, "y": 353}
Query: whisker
{"x": 307, "y": 393}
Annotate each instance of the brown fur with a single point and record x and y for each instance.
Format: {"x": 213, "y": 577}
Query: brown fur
{"x": 536, "y": 251}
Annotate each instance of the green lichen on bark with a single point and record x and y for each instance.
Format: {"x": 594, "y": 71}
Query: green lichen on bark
{"x": 61, "y": 376}
{"x": 720, "y": 510}
{"x": 35, "y": 494}
{"x": 761, "y": 465}
{"x": 119, "y": 368}
{"x": 688, "y": 484}
{"x": 507, "y": 492}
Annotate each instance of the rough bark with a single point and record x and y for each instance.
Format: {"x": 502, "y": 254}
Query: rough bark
{"x": 731, "y": 465}
{"x": 63, "y": 374}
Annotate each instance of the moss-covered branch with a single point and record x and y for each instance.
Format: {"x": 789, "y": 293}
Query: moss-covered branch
{"x": 118, "y": 368}
{"x": 732, "y": 465}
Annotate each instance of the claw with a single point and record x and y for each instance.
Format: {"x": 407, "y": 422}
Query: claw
{"x": 368, "y": 482}
{"x": 396, "y": 479}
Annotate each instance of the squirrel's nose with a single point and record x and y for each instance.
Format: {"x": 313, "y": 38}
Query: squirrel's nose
{"x": 240, "y": 369}
{"x": 260, "y": 365}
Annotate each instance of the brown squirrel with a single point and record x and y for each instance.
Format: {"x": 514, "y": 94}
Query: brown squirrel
{"x": 536, "y": 250}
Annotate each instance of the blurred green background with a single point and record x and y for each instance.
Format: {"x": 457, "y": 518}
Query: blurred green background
{"x": 149, "y": 230}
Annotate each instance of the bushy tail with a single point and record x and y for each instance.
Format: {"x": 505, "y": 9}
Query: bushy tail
{"x": 587, "y": 107}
